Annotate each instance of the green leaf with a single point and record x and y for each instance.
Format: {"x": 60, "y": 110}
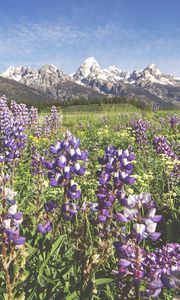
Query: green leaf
{"x": 31, "y": 296}
{"x": 48, "y": 279}
{"x": 55, "y": 246}
{"x": 101, "y": 281}
{"x": 73, "y": 296}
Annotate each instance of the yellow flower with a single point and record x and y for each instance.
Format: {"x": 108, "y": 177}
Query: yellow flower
{"x": 130, "y": 191}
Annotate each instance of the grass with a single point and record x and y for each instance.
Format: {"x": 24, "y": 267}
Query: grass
{"x": 73, "y": 114}
{"x": 98, "y": 112}
{"x": 70, "y": 259}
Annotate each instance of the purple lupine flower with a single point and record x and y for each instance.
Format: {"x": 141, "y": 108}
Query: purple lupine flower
{"x": 37, "y": 163}
{"x": 20, "y": 113}
{"x": 64, "y": 166}
{"x": 174, "y": 121}
{"x": 116, "y": 172}
{"x": 162, "y": 265}
{"x": 54, "y": 119}
{"x": 145, "y": 226}
{"x": 141, "y": 210}
{"x": 12, "y": 219}
{"x": 140, "y": 127}
{"x": 47, "y": 126}
{"x": 128, "y": 252}
{"x": 44, "y": 228}
{"x": 33, "y": 117}
{"x": 6, "y": 116}
{"x": 157, "y": 269}
{"x": 163, "y": 147}
{"x": 69, "y": 210}
{"x": 50, "y": 205}
{"x": 13, "y": 142}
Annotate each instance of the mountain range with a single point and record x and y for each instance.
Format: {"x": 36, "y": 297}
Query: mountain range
{"x": 92, "y": 81}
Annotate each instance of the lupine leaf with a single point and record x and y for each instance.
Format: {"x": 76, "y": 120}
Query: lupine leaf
{"x": 101, "y": 281}
{"x": 73, "y": 296}
{"x": 55, "y": 246}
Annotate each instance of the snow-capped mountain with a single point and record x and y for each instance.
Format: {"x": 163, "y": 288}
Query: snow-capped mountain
{"x": 90, "y": 71}
{"x": 50, "y": 81}
{"x": 43, "y": 79}
{"x": 118, "y": 82}
{"x": 151, "y": 74}
{"x": 91, "y": 74}
{"x": 93, "y": 80}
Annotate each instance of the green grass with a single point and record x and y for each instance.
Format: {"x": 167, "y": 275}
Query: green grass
{"x": 64, "y": 262}
{"x": 73, "y": 114}
{"x": 96, "y": 113}
{"x": 99, "y": 108}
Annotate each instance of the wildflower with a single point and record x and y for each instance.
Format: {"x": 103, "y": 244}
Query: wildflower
{"x": 116, "y": 172}
{"x": 163, "y": 147}
{"x": 44, "y": 228}
{"x": 140, "y": 127}
{"x": 63, "y": 168}
{"x": 12, "y": 219}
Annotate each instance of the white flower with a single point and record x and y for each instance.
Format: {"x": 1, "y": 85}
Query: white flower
{"x": 10, "y": 194}
{"x": 140, "y": 228}
{"x": 145, "y": 197}
{"x": 152, "y": 212}
{"x": 7, "y": 224}
{"x": 150, "y": 226}
{"x": 130, "y": 213}
{"x": 77, "y": 166}
{"x": 71, "y": 152}
{"x": 12, "y": 209}
{"x": 125, "y": 161}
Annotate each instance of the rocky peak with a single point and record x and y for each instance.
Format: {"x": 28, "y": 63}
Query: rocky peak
{"x": 15, "y": 73}
{"x": 117, "y": 73}
{"x": 91, "y": 62}
{"x": 153, "y": 70}
{"x": 49, "y": 71}
{"x": 89, "y": 67}
{"x": 150, "y": 75}
{"x": 110, "y": 81}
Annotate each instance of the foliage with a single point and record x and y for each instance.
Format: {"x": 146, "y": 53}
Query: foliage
{"x": 72, "y": 214}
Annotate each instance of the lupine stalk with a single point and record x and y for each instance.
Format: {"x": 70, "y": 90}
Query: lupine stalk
{"x": 156, "y": 269}
{"x": 11, "y": 239}
{"x": 63, "y": 167}
{"x": 38, "y": 172}
{"x": 115, "y": 173}
{"x": 140, "y": 127}
{"x": 174, "y": 122}
{"x": 163, "y": 147}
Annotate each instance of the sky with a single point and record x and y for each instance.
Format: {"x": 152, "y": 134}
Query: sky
{"x": 128, "y": 33}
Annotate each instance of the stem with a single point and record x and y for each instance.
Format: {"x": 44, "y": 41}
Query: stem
{"x": 8, "y": 283}
{"x": 136, "y": 286}
{"x": 38, "y": 198}
{"x": 83, "y": 283}
{"x": 137, "y": 295}
{"x": 13, "y": 171}
{"x": 4, "y": 250}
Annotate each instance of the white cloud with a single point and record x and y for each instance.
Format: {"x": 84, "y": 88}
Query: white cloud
{"x": 30, "y": 43}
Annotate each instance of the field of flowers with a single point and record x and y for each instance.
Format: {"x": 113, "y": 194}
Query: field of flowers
{"x": 89, "y": 205}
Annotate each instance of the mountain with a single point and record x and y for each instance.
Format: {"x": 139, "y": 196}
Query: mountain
{"x": 149, "y": 83}
{"x": 22, "y": 93}
{"x": 91, "y": 81}
{"x": 51, "y": 82}
{"x": 91, "y": 74}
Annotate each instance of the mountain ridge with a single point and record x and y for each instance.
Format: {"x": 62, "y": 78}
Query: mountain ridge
{"x": 91, "y": 80}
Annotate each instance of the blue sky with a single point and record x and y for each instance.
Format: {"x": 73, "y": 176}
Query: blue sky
{"x": 128, "y": 33}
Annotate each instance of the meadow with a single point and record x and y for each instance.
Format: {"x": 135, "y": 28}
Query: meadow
{"x": 90, "y": 200}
